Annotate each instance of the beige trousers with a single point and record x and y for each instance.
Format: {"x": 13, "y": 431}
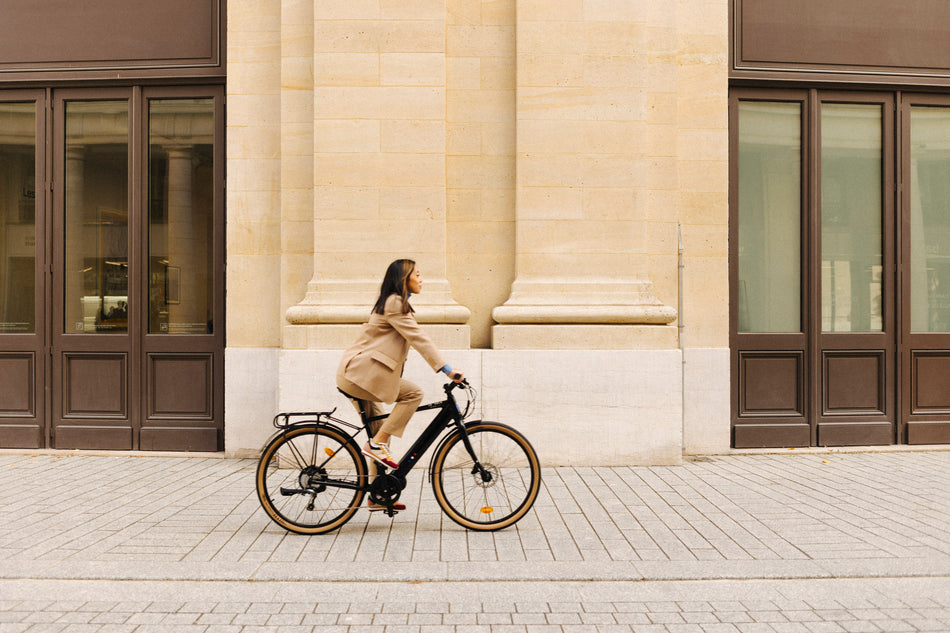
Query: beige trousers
{"x": 408, "y": 400}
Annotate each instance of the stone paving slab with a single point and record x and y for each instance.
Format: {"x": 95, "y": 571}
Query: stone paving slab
{"x": 764, "y": 516}
{"x": 809, "y": 543}
{"x": 736, "y": 606}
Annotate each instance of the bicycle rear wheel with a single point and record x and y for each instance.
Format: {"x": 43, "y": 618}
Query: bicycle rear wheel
{"x": 310, "y": 479}
{"x": 493, "y": 501}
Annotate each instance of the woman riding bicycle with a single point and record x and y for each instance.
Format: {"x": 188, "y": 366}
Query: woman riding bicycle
{"x": 371, "y": 369}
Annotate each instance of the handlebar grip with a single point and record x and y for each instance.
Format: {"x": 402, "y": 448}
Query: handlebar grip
{"x": 449, "y": 386}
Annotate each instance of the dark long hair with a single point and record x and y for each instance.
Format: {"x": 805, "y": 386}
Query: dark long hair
{"x": 395, "y": 282}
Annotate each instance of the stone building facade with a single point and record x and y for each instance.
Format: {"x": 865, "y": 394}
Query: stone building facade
{"x": 647, "y": 228}
{"x": 558, "y": 170}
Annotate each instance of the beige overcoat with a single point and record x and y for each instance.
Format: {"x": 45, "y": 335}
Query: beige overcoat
{"x": 375, "y": 361}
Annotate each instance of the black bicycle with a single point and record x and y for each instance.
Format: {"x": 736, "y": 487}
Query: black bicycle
{"x": 312, "y": 476}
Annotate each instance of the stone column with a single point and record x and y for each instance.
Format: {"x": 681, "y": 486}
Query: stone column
{"x": 379, "y": 167}
{"x": 587, "y": 169}
{"x": 81, "y": 310}
{"x": 296, "y": 152}
{"x": 181, "y": 244}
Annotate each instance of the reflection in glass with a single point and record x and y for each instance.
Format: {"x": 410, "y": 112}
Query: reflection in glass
{"x": 769, "y": 291}
{"x": 181, "y": 211}
{"x": 17, "y": 217}
{"x": 929, "y": 219}
{"x": 851, "y": 225}
{"x": 97, "y": 217}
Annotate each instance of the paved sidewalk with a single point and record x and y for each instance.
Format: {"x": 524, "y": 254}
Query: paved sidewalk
{"x": 740, "y": 543}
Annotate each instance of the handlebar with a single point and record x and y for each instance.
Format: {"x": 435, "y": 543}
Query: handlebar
{"x": 449, "y": 386}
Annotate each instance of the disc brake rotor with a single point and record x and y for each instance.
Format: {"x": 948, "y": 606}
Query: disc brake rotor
{"x": 492, "y": 481}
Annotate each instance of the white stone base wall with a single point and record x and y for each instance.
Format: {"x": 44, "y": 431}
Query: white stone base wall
{"x": 577, "y": 407}
{"x": 251, "y": 378}
{"x": 706, "y": 419}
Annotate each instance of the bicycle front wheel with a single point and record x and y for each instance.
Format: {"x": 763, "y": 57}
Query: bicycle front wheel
{"x": 499, "y": 494}
{"x": 310, "y": 479}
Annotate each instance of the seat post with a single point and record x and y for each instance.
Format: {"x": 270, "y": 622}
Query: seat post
{"x": 362, "y": 408}
{"x": 364, "y": 416}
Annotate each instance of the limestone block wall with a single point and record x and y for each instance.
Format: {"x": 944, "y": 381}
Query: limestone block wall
{"x": 539, "y": 159}
{"x": 480, "y": 157}
{"x": 254, "y": 130}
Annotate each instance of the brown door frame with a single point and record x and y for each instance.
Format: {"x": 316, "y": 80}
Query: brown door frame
{"x": 29, "y": 353}
{"x": 111, "y": 355}
{"x": 800, "y": 356}
{"x": 869, "y": 426}
{"x": 140, "y": 424}
{"x": 184, "y": 430}
{"x": 787, "y": 353}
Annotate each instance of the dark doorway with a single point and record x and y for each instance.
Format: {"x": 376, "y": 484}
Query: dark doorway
{"x": 126, "y": 347}
{"x": 838, "y": 318}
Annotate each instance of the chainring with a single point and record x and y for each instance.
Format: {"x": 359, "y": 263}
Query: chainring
{"x": 385, "y": 490}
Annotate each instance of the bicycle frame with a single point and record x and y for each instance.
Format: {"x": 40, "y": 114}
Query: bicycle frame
{"x": 448, "y": 416}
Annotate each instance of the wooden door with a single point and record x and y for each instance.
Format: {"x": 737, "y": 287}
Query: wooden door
{"x": 925, "y": 269}
{"x": 768, "y": 278}
{"x": 95, "y": 311}
{"x": 23, "y": 269}
{"x": 182, "y": 291}
{"x": 812, "y": 265}
{"x": 854, "y": 259}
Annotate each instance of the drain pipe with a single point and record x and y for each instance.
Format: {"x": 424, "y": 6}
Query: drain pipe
{"x": 679, "y": 331}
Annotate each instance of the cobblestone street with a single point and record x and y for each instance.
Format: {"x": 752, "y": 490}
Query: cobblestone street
{"x": 811, "y": 542}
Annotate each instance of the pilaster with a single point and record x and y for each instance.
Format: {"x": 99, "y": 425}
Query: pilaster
{"x": 379, "y": 175}
{"x": 590, "y": 155}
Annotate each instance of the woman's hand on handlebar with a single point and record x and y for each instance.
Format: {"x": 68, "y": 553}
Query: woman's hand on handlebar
{"x": 457, "y": 375}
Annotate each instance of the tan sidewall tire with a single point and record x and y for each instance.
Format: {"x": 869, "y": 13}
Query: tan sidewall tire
{"x": 447, "y": 507}
{"x": 268, "y": 453}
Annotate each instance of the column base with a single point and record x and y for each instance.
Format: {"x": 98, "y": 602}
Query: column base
{"x": 340, "y": 336}
{"x": 591, "y": 337}
{"x": 331, "y": 314}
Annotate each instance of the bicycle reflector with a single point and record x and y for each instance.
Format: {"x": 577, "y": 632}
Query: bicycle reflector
{"x": 488, "y": 510}
{"x": 329, "y": 452}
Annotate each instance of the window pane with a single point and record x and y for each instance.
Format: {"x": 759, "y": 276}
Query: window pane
{"x": 18, "y": 217}
{"x": 181, "y": 213}
{"x": 97, "y": 217}
{"x": 851, "y": 239}
{"x": 930, "y": 219}
{"x": 769, "y": 217}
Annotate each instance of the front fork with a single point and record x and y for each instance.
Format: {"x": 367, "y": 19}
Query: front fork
{"x": 477, "y": 469}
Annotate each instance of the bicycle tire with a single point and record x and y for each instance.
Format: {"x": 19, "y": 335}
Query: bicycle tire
{"x": 486, "y": 505}
{"x": 295, "y": 475}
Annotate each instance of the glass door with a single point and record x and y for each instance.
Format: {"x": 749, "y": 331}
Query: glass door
{"x": 112, "y": 268}
{"x": 855, "y": 367}
{"x": 94, "y": 299}
{"x": 182, "y": 243}
{"x": 925, "y": 292}
{"x": 812, "y": 268}
{"x": 23, "y": 204}
{"x": 769, "y": 342}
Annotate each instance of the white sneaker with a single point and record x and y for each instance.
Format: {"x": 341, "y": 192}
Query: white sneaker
{"x": 379, "y": 453}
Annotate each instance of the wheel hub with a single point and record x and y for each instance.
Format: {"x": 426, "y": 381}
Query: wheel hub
{"x": 313, "y": 478}
{"x": 483, "y": 481}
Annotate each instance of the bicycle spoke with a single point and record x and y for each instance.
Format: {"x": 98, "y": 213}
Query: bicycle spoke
{"x": 499, "y": 489}
{"x": 310, "y": 482}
